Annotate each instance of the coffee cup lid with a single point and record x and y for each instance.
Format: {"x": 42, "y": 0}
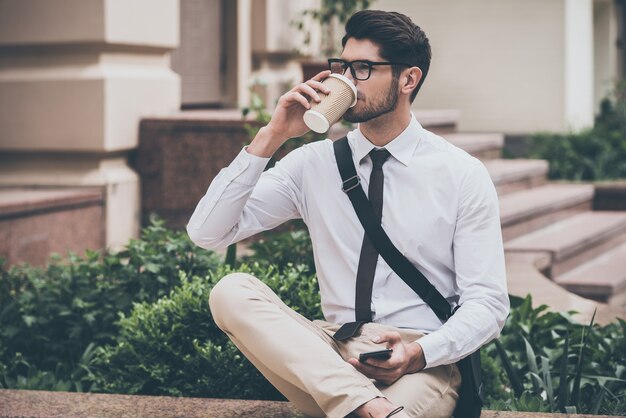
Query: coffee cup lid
{"x": 349, "y": 83}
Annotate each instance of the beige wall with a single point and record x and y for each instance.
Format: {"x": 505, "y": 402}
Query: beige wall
{"x": 500, "y": 62}
{"x": 508, "y": 65}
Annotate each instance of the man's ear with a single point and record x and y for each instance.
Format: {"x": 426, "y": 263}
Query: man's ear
{"x": 411, "y": 79}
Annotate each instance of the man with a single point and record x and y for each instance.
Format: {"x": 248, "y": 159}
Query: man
{"x": 439, "y": 209}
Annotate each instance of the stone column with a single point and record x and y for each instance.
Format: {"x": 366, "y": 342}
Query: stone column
{"x": 276, "y": 43}
{"x": 579, "y": 101}
{"x": 244, "y": 20}
{"x": 606, "y": 38}
{"x": 76, "y": 76}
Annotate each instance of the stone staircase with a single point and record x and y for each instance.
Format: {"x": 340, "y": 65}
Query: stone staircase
{"x": 528, "y": 210}
{"x": 549, "y": 226}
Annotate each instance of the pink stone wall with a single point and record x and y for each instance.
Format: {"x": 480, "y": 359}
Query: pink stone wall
{"x": 35, "y": 223}
{"x": 177, "y": 159}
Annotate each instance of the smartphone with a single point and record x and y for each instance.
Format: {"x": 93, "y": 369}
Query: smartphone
{"x": 380, "y": 354}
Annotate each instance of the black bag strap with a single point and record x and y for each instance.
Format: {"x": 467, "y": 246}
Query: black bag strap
{"x": 377, "y": 235}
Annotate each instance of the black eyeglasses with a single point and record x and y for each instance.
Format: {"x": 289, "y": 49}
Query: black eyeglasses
{"x": 360, "y": 69}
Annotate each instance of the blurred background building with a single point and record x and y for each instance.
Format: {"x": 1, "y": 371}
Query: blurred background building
{"x": 84, "y": 82}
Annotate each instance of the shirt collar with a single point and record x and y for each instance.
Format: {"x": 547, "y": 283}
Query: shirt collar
{"x": 401, "y": 147}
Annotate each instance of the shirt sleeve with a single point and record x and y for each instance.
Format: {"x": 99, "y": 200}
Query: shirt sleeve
{"x": 480, "y": 275}
{"x": 243, "y": 200}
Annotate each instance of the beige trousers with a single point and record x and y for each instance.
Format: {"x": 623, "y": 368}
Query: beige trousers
{"x": 302, "y": 360}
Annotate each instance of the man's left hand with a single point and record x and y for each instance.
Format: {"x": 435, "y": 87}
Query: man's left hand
{"x": 406, "y": 358}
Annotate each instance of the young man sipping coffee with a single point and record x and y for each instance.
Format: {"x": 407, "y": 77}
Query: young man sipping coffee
{"x": 436, "y": 203}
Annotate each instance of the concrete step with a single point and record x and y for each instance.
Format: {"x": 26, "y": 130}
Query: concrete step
{"x": 439, "y": 121}
{"x": 513, "y": 175}
{"x": 574, "y": 241}
{"x": 524, "y": 276}
{"x": 528, "y": 210}
{"x": 602, "y": 279}
{"x": 482, "y": 146}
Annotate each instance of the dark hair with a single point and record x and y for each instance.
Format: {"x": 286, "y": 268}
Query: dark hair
{"x": 397, "y": 36}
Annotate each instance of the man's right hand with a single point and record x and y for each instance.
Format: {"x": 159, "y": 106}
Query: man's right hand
{"x": 287, "y": 119}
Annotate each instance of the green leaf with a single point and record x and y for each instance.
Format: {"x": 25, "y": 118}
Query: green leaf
{"x": 563, "y": 381}
{"x": 532, "y": 366}
{"x": 599, "y": 397}
{"x": 580, "y": 365}
{"x": 518, "y": 388}
{"x": 29, "y": 320}
{"x": 547, "y": 382}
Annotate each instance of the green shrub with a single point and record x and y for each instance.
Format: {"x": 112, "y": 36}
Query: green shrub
{"x": 52, "y": 317}
{"x": 292, "y": 247}
{"x": 598, "y": 153}
{"x": 173, "y": 347}
{"x": 133, "y": 322}
{"x": 555, "y": 364}
{"x": 591, "y": 155}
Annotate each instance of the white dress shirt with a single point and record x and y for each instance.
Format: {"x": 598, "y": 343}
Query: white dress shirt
{"x": 440, "y": 209}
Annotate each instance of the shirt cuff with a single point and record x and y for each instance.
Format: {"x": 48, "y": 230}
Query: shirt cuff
{"x": 248, "y": 167}
{"x": 435, "y": 349}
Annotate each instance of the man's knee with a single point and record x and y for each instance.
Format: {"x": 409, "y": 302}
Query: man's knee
{"x": 227, "y": 296}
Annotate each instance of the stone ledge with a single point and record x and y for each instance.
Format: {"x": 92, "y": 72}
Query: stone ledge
{"x": 524, "y": 276}
{"x": 37, "y": 222}
{"x": 429, "y": 119}
{"x": 484, "y": 146}
{"x": 528, "y": 205}
{"x": 502, "y": 170}
{"x": 23, "y": 202}
{"x": 28, "y": 403}
{"x": 439, "y": 121}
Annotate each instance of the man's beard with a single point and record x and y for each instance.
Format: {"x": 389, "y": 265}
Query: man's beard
{"x": 388, "y": 104}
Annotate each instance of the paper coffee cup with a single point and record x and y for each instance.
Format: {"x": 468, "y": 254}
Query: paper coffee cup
{"x": 331, "y": 108}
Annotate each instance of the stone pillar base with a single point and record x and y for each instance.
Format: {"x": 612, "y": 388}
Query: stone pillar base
{"x": 119, "y": 182}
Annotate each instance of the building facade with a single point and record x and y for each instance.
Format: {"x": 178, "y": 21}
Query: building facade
{"x": 77, "y": 76}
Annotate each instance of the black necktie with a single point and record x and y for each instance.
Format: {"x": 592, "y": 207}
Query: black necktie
{"x": 369, "y": 255}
